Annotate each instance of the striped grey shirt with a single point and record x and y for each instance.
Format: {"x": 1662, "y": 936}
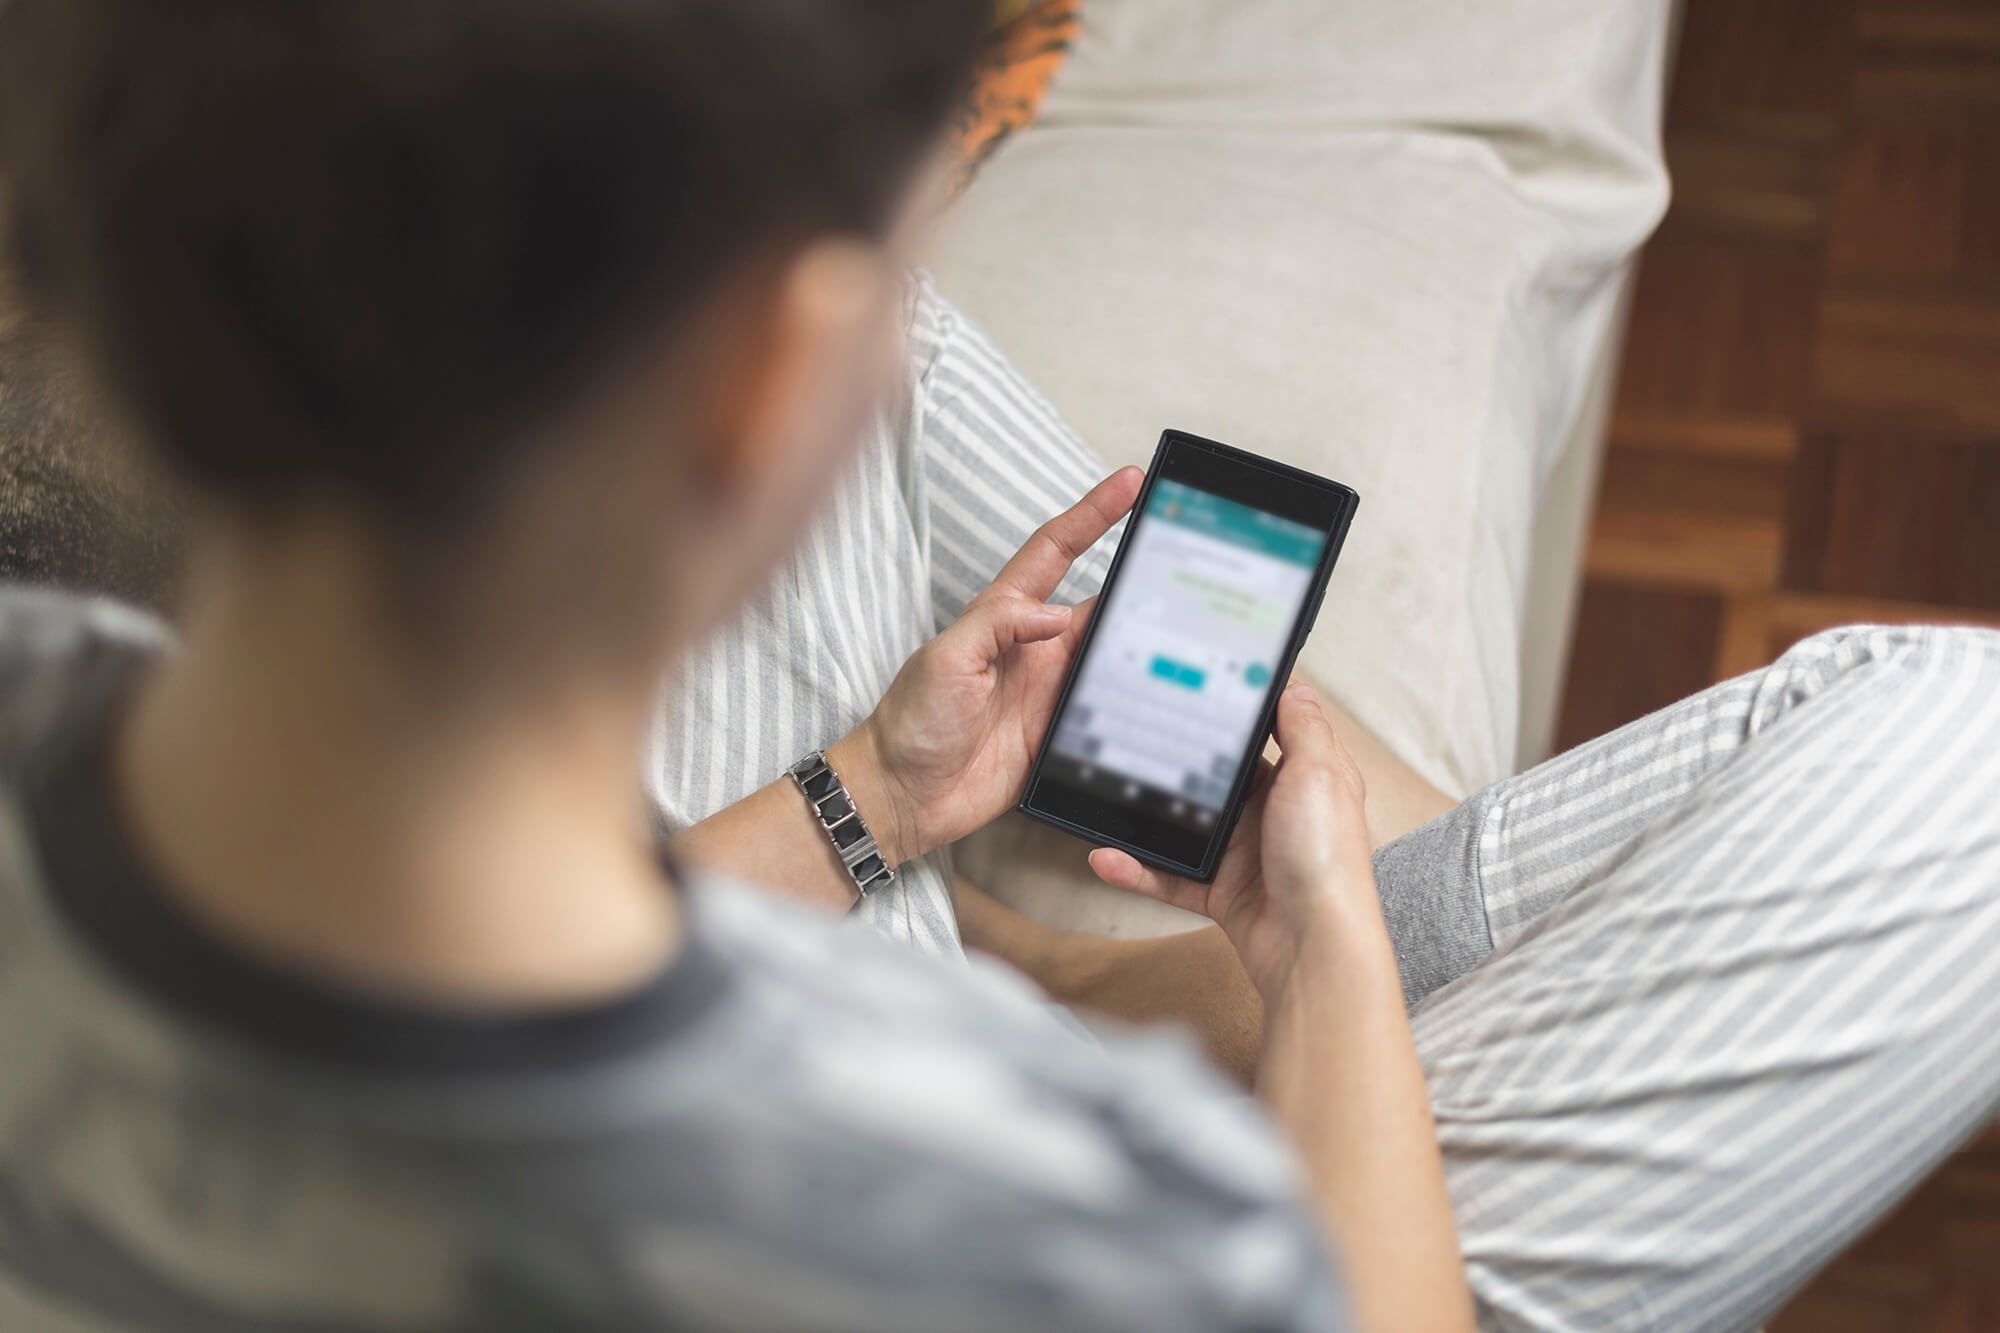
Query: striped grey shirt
{"x": 794, "y": 1126}
{"x": 946, "y": 488}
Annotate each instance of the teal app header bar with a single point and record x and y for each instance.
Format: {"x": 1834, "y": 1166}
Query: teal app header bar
{"x": 1236, "y": 523}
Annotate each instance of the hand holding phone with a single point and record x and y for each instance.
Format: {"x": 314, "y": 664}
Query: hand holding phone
{"x": 1300, "y": 853}
{"x": 1175, "y": 684}
{"x": 944, "y": 751}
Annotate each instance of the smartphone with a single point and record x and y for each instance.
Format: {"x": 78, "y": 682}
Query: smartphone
{"x": 1212, "y": 592}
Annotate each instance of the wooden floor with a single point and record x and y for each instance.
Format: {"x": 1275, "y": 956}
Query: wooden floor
{"x": 1808, "y": 434}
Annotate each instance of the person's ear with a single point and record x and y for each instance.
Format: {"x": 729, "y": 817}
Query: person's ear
{"x": 801, "y": 362}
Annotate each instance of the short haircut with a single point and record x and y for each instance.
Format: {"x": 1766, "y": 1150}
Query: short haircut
{"x": 373, "y": 244}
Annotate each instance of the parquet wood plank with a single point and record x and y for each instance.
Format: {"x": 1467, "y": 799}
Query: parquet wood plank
{"x": 1638, "y": 648}
{"x": 1685, "y": 551}
{"x": 1722, "y": 324}
{"x": 1896, "y": 517}
{"x": 1774, "y": 439}
{"x": 1925, "y": 55}
{"x": 1793, "y": 616}
{"x": 1918, "y": 200}
{"x": 1926, "y": 362}
{"x": 1735, "y": 485}
{"x": 1772, "y": 184}
{"x": 1745, "y": 641}
{"x": 1777, "y": 62}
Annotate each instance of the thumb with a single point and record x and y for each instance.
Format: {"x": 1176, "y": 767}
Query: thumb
{"x": 1311, "y": 746}
{"x": 1009, "y": 621}
{"x": 1123, "y": 871}
{"x": 1079, "y": 618}
{"x": 1304, "y": 733}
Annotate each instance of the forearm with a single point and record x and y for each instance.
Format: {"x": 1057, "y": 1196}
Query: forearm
{"x": 772, "y": 836}
{"x": 1191, "y": 978}
{"x": 1341, "y": 1073}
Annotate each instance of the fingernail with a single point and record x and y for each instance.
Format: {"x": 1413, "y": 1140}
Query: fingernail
{"x": 1303, "y": 692}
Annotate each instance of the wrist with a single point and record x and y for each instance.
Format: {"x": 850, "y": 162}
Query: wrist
{"x": 857, "y": 759}
{"x": 1334, "y": 934}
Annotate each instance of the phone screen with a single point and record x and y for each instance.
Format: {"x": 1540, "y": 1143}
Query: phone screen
{"x": 1172, "y": 688}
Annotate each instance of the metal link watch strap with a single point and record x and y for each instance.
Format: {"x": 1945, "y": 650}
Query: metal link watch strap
{"x": 844, "y": 826}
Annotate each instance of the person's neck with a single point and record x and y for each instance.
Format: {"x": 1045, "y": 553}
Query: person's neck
{"x": 299, "y": 790}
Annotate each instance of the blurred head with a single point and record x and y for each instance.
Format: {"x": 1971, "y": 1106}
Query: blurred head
{"x": 557, "y": 310}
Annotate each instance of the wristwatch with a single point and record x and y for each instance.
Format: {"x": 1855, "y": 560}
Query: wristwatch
{"x": 852, "y": 841}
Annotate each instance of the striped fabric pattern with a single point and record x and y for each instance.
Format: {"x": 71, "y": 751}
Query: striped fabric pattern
{"x": 1744, "y": 991}
{"x": 944, "y": 489}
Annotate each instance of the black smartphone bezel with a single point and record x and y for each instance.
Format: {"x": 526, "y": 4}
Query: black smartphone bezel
{"x": 1276, "y": 488}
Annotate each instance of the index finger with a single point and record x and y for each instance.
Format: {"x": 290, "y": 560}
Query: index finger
{"x": 1040, "y": 564}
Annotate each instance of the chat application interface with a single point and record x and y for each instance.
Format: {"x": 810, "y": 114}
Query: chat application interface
{"x": 1183, "y": 657}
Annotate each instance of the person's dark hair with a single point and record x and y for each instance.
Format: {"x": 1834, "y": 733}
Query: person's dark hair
{"x": 373, "y": 243}
{"x": 78, "y": 509}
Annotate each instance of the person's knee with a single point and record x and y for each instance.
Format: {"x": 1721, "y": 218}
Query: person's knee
{"x": 1904, "y": 740}
{"x": 1943, "y": 675}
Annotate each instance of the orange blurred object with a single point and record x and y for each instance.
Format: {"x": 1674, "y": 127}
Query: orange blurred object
{"x": 1028, "y": 49}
